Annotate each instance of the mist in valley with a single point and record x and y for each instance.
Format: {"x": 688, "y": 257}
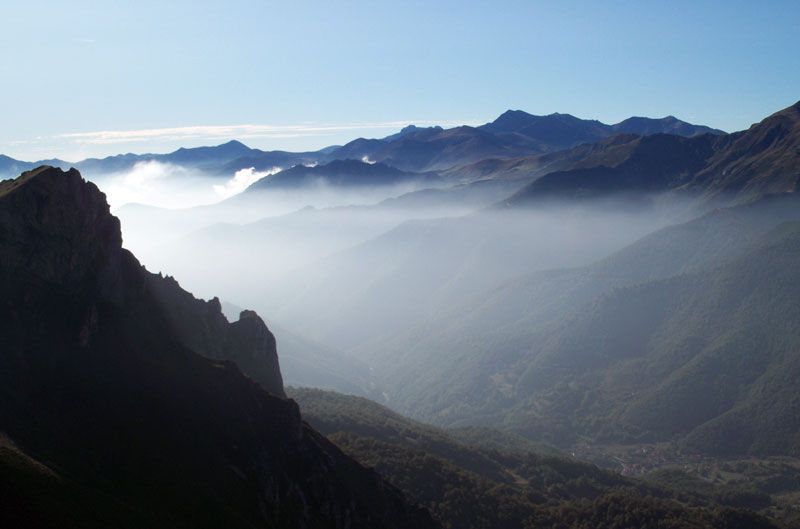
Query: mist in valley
{"x": 355, "y": 269}
{"x": 400, "y": 265}
{"x": 462, "y": 306}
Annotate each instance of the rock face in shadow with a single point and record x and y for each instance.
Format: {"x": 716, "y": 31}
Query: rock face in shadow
{"x": 138, "y": 420}
{"x": 202, "y": 327}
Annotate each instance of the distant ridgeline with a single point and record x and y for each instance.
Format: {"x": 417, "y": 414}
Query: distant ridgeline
{"x": 415, "y": 149}
{"x": 688, "y": 335}
{"x": 127, "y": 402}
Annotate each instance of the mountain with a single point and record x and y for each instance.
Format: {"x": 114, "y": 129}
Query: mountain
{"x": 306, "y": 363}
{"x": 9, "y": 167}
{"x": 763, "y": 159}
{"x": 706, "y": 357}
{"x": 269, "y": 160}
{"x": 735, "y": 167}
{"x": 341, "y": 174}
{"x": 300, "y": 238}
{"x": 565, "y": 129}
{"x": 409, "y": 129}
{"x": 468, "y": 485}
{"x": 607, "y": 152}
{"x": 556, "y": 131}
{"x": 209, "y": 160}
{"x": 121, "y": 402}
{"x": 430, "y": 265}
{"x": 203, "y": 327}
{"x": 219, "y": 160}
{"x": 318, "y": 212}
{"x": 513, "y": 134}
{"x": 686, "y": 335}
{"x": 668, "y": 125}
{"x": 200, "y": 155}
{"x": 416, "y": 149}
{"x": 652, "y": 164}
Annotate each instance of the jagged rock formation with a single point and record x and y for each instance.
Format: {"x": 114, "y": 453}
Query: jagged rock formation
{"x": 203, "y": 328}
{"x": 110, "y": 416}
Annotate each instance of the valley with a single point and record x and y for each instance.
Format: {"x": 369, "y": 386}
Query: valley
{"x": 399, "y": 265}
{"x": 571, "y": 331}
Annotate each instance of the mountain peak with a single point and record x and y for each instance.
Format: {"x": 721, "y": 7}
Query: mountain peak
{"x": 512, "y": 119}
{"x": 58, "y": 226}
{"x": 409, "y": 130}
{"x": 228, "y": 150}
{"x": 793, "y": 110}
{"x": 644, "y": 126}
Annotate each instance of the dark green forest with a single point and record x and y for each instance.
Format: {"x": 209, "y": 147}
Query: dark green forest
{"x": 497, "y": 481}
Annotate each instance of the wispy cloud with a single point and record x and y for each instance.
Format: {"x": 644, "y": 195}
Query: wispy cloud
{"x": 241, "y": 180}
{"x": 245, "y": 131}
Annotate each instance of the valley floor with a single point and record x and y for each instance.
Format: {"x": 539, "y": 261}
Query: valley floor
{"x": 770, "y": 485}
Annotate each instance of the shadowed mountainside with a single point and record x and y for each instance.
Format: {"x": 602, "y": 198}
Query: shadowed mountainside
{"x": 111, "y": 418}
{"x": 499, "y": 485}
{"x": 514, "y": 133}
{"x": 739, "y": 167}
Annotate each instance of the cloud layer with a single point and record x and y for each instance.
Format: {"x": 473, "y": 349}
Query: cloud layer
{"x": 225, "y": 132}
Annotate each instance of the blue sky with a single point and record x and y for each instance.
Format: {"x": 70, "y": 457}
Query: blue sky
{"x": 94, "y": 78}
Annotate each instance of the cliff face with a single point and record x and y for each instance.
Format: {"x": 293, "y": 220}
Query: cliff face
{"x": 202, "y": 327}
{"x": 140, "y": 421}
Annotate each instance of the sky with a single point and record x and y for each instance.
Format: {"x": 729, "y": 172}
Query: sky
{"x": 84, "y": 78}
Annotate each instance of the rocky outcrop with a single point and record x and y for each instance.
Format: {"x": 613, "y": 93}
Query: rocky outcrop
{"x": 145, "y": 424}
{"x": 202, "y": 327}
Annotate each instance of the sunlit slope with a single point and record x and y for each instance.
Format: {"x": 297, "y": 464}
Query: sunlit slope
{"x": 560, "y": 353}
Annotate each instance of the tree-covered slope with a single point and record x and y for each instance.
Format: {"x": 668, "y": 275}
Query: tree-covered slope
{"x": 553, "y": 348}
{"x": 467, "y": 485}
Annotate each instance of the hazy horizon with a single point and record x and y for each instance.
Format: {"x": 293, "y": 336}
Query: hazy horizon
{"x": 381, "y": 66}
{"x": 239, "y": 290}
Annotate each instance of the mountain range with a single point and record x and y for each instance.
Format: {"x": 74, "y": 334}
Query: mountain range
{"x": 684, "y": 335}
{"x": 342, "y": 174}
{"x": 739, "y": 166}
{"x": 533, "y": 285}
{"x": 650, "y": 179}
{"x": 457, "y": 346}
{"x": 339, "y": 265}
{"x": 413, "y": 149}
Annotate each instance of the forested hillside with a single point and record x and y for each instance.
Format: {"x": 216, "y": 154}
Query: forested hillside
{"x": 468, "y": 485}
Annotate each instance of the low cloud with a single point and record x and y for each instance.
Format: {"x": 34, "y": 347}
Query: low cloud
{"x": 159, "y": 184}
{"x": 222, "y": 132}
{"x": 241, "y": 180}
{"x": 140, "y": 183}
